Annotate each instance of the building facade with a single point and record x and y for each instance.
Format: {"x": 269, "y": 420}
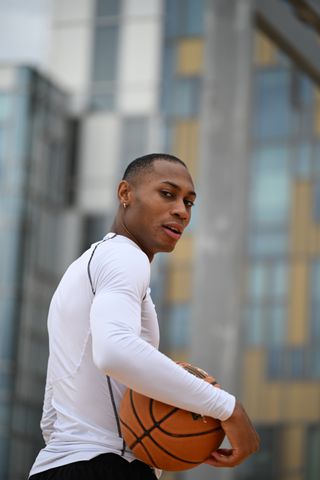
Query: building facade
{"x": 233, "y": 89}
{"x": 33, "y": 192}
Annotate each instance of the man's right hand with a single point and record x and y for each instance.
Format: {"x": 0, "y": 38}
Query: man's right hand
{"x": 243, "y": 439}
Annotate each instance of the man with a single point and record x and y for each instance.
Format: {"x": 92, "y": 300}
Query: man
{"x": 103, "y": 336}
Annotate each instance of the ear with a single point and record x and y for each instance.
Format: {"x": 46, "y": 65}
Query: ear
{"x": 124, "y": 192}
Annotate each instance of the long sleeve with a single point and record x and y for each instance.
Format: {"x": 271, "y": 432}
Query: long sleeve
{"x": 119, "y": 351}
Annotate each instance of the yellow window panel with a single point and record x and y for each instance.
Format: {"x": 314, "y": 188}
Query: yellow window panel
{"x": 297, "y": 332}
{"x": 190, "y": 56}
{"x": 179, "y": 285}
{"x": 292, "y": 447}
{"x": 300, "y": 230}
{"x": 265, "y": 52}
{"x": 186, "y": 143}
{"x": 183, "y": 252}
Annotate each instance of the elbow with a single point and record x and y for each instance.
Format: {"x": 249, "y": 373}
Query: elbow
{"x": 107, "y": 358}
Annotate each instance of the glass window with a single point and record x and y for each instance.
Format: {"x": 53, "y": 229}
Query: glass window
{"x": 257, "y": 281}
{"x": 106, "y": 8}
{"x": 315, "y": 301}
{"x": 184, "y": 17}
{"x": 272, "y": 103}
{"x": 268, "y": 244}
{"x": 194, "y": 17}
{"x": 265, "y": 464}
{"x": 169, "y": 64}
{"x": 297, "y": 362}
{"x": 186, "y": 100}
{"x": 135, "y": 138}
{"x": 303, "y": 161}
{"x": 102, "y": 101}
{"x": 270, "y": 191}
{"x": 179, "y": 326}
{"x": 312, "y": 452}
{"x": 255, "y": 326}
{"x": 5, "y": 106}
{"x": 94, "y": 229}
{"x": 278, "y": 279}
{"x": 105, "y": 53}
{"x": 275, "y": 363}
{"x": 276, "y": 318}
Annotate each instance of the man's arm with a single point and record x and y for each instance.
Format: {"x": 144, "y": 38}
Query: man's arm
{"x": 243, "y": 439}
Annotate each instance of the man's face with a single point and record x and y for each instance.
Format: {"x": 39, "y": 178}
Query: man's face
{"x": 160, "y": 206}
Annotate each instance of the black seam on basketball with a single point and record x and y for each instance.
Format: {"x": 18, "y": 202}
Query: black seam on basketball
{"x": 180, "y": 435}
{"x": 146, "y": 431}
{"x": 138, "y": 442}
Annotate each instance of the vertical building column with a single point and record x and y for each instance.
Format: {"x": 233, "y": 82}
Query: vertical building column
{"x": 223, "y": 179}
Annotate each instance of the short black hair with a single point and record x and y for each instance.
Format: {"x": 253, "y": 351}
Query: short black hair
{"x": 145, "y": 163}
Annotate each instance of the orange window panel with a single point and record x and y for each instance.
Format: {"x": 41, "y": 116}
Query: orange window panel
{"x": 190, "y": 56}
{"x": 298, "y": 328}
{"x": 265, "y": 52}
{"x": 179, "y": 284}
{"x": 186, "y": 143}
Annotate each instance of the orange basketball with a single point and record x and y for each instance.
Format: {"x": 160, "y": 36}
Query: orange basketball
{"x": 167, "y": 437}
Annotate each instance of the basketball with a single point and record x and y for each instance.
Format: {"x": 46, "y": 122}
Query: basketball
{"x": 167, "y": 437}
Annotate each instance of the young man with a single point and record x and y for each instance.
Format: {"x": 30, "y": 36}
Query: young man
{"x": 103, "y": 336}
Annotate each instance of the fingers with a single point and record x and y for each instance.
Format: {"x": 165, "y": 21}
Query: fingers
{"x": 243, "y": 439}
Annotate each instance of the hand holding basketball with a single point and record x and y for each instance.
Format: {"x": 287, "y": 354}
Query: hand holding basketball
{"x": 242, "y": 436}
{"x": 167, "y": 437}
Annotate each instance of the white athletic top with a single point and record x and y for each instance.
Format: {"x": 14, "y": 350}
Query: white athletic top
{"x": 109, "y": 329}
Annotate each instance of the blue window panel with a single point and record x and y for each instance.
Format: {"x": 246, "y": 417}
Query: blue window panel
{"x": 184, "y": 17}
{"x": 257, "y": 281}
{"x": 315, "y": 301}
{"x": 268, "y": 244}
{"x": 186, "y": 101}
{"x": 5, "y": 106}
{"x": 298, "y": 365}
{"x": 106, "y": 8}
{"x": 194, "y": 17}
{"x": 303, "y": 163}
{"x": 316, "y": 166}
{"x": 173, "y": 14}
{"x": 275, "y": 363}
{"x": 278, "y": 281}
{"x": 306, "y": 90}
{"x": 179, "y": 326}
{"x": 270, "y": 186}
{"x": 314, "y": 362}
{"x": 272, "y": 104}
{"x": 102, "y": 101}
{"x": 255, "y": 329}
{"x": 106, "y": 53}
{"x": 276, "y": 318}
{"x": 312, "y": 461}
{"x": 194, "y": 218}
{"x": 169, "y": 65}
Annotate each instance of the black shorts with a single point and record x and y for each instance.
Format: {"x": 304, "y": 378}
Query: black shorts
{"x": 108, "y": 466}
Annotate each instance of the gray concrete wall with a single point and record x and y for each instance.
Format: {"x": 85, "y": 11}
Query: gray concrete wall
{"x": 219, "y": 257}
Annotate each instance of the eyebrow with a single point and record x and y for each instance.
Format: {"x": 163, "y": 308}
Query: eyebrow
{"x": 174, "y": 185}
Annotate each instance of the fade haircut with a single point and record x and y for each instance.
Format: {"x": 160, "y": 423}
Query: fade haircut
{"x": 145, "y": 164}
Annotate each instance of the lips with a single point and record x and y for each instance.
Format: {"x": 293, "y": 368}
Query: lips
{"x": 174, "y": 230}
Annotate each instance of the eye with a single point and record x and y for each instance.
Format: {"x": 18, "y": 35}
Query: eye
{"x": 166, "y": 193}
{"x": 188, "y": 203}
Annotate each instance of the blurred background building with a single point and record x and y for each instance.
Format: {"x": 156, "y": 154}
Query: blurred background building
{"x": 231, "y": 87}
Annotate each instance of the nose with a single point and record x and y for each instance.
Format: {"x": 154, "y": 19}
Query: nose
{"x": 181, "y": 211}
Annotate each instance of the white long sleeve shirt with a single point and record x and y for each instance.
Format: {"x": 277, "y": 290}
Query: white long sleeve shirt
{"x": 112, "y": 331}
